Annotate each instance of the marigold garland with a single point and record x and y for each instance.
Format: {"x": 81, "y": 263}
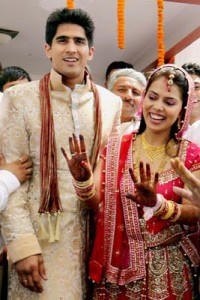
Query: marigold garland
{"x": 70, "y": 4}
{"x": 160, "y": 33}
{"x": 120, "y": 18}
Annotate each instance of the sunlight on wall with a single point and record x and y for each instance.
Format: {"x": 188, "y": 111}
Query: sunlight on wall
{"x": 189, "y": 54}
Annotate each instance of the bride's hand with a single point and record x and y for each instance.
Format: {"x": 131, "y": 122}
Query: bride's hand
{"x": 145, "y": 188}
{"x": 78, "y": 164}
{"x": 192, "y": 182}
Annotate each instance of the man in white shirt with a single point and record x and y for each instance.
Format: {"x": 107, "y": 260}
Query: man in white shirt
{"x": 193, "y": 132}
{"x": 129, "y": 85}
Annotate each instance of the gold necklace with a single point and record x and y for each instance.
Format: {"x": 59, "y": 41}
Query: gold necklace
{"x": 148, "y": 152}
{"x": 152, "y": 152}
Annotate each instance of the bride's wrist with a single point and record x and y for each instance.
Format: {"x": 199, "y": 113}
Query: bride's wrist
{"x": 85, "y": 190}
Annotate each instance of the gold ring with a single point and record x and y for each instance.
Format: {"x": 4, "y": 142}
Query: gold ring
{"x": 21, "y": 160}
{"x": 74, "y": 154}
{"x": 25, "y": 280}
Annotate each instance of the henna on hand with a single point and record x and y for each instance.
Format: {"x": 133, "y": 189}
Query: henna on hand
{"x": 145, "y": 189}
{"x": 78, "y": 164}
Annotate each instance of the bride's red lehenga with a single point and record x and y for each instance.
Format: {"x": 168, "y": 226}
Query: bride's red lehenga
{"x": 133, "y": 258}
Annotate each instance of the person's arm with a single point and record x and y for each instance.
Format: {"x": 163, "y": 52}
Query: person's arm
{"x": 12, "y": 175}
{"x": 21, "y": 168}
{"x": 8, "y": 184}
{"x": 192, "y": 182}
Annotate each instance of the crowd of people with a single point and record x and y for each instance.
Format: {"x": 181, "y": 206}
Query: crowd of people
{"x": 99, "y": 187}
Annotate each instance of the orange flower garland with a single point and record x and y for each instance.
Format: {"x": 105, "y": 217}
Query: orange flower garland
{"x": 160, "y": 34}
{"x": 120, "y": 18}
{"x": 70, "y": 4}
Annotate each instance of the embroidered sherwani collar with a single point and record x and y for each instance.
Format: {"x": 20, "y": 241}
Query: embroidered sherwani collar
{"x": 57, "y": 85}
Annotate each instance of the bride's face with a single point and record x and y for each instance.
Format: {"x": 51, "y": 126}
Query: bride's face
{"x": 162, "y": 106}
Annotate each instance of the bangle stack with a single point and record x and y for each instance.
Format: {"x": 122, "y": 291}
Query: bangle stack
{"x": 176, "y": 214}
{"x": 85, "y": 190}
{"x": 168, "y": 210}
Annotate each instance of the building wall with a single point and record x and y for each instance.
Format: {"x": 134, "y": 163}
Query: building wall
{"x": 189, "y": 54}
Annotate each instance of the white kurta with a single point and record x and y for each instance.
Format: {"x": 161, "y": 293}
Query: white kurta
{"x": 192, "y": 134}
{"x": 8, "y": 184}
{"x": 64, "y": 260}
{"x": 129, "y": 127}
{"x": 1, "y": 95}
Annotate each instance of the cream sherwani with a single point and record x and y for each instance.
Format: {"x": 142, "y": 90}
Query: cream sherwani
{"x": 73, "y": 111}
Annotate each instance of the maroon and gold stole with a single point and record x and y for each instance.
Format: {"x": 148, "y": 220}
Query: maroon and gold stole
{"x": 50, "y": 202}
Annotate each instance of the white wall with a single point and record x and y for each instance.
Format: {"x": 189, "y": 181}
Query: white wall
{"x": 189, "y": 54}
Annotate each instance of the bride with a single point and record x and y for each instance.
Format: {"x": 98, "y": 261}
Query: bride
{"x": 141, "y": 249}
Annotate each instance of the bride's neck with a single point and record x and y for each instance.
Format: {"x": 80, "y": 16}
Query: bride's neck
{"x": 156, "y": 139}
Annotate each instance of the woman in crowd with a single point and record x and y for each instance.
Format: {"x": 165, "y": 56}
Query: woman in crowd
{"x": 141, "y": 250}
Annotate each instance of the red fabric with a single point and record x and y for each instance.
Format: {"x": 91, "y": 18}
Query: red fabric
{"x": 99, "y": 262}
{"x": 97, "y": 258}
{"x": 121, "y": 264}
{"x": 50, "y": 199}
{"x": 121, "y": 241}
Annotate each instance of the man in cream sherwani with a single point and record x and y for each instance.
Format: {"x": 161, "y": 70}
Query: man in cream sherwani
{"x": 40, "y": 269}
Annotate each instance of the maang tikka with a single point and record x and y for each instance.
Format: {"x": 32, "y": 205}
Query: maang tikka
{"x": 170, "y": 80}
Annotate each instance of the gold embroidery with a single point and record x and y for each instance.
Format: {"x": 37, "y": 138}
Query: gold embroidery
{"x": 163, "y": 237}
{"x": 177, "y": 272}
{"x": 158, "y": 282}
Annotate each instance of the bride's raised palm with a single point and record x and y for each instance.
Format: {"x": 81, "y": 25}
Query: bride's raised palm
{"x": 145, "y": 188}
{"x": 78, "y": 164}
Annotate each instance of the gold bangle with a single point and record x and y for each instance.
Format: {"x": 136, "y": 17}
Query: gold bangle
{"x": 170, "y": 210}
{"x": 177, "y": 213}
{"x": 83, "y": 184}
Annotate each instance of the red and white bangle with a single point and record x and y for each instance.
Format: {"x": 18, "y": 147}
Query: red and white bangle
{"x": 85, "y": 190}
{"x": 168, "y": 210}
